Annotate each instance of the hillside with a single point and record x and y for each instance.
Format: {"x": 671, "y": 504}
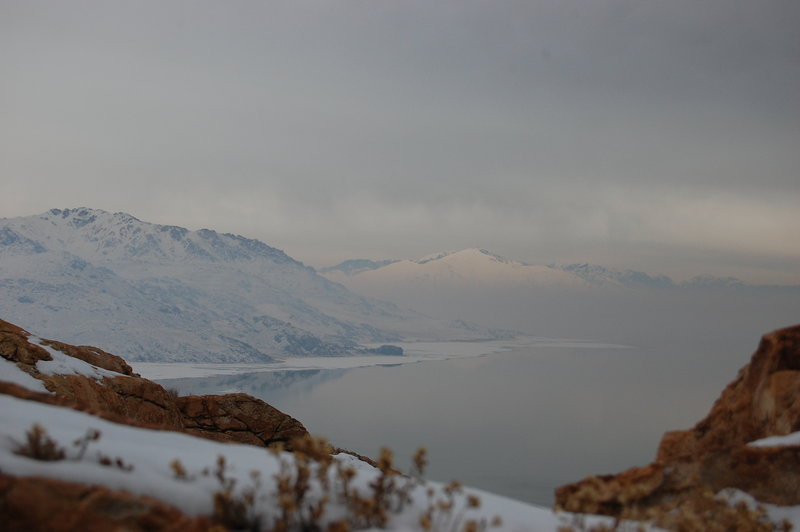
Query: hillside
{"x": 165, "y": 293}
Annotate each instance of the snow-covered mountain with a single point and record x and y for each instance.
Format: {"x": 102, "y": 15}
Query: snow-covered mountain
{"x": 571, "y": 300}
{"x": 165, "y": 293}
{"x": 452, "y": 268}
{"x": 480, "y": 267}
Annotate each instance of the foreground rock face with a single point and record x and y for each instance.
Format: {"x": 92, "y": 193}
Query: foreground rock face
{"x": 132, "y": 400}
{"x": 763, "y": 401}
{"x": 35, "y": 503}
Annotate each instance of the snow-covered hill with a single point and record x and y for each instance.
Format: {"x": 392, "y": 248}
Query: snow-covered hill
{"x": 468, "y": 266}
{"x": 165, "y": 293}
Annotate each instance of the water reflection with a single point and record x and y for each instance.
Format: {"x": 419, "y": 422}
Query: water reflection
{"x": 518, "y": 423}
{"x": 269, "y": 386}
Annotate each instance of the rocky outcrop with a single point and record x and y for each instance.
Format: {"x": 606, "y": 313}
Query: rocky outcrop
{"x": 237, "y": 417}
{"x": 763, "y": 401}
{"x": 35, "y": 503}
{"x": 132, "y": 400}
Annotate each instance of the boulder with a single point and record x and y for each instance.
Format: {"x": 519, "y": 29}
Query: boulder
{"x": 763, "y": 401}
{"x": 237, "y": 417}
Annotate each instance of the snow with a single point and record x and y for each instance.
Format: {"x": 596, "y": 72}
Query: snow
{"x": 62, "y": 364}
{"x": 775, "y": 513}
{"x": 166, "y": 294}
{"x": 10, "y": 372}
{"x": 150, "y": 452}
{"x": 778, "y": 441}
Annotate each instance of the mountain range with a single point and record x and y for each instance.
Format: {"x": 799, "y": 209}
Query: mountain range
{"x": 481, "y": 266}
{"x": 572, "y": 300}
{"x": 165, "y": 293}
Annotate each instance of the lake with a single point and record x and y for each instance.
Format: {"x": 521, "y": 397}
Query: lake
{"x": 518, "y": 423}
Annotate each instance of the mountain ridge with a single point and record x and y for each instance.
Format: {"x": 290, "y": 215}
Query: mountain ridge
{"x": 165, "y": 293}
{"x": 592, "y": 274}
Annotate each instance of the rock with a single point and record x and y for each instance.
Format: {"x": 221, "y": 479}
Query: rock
{"x": 94, "y": 356}
{"x": 763, "y": 400}
{"x": 237, "y": 417}
{"x": 38, "y": 504}
{"x": 14, "y": 345}
{"x": 132, "y": 400}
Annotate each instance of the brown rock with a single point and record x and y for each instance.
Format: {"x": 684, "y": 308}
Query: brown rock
{"x": 237, "y": 417}
{"x": 133, "y": 400}
{"x": 93, "y": 355}
{"x": 763, "y": 400}
{"x": 34, "y": 504}
{"x": 14, "y": 345}
{"x": 130, "y": 400}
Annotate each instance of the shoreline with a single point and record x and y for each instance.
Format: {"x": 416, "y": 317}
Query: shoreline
{"x": 420, "y": 351}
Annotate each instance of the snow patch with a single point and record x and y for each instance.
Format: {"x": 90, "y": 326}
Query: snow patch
{"x": 66, "y": 365}
{"x": 10, "y": 372}
{"x": 775, "y": 513}
{"x": 777, "y": 441}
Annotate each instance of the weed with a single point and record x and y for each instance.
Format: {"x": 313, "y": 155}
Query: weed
{"x": 235, "y": 512}
{"x": 117, "y": 462}
{"x": 39, "y": 446}
{"x": 83, "y": 442}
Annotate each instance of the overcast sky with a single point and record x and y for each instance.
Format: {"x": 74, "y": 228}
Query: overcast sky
{"x": 661, "y": 135}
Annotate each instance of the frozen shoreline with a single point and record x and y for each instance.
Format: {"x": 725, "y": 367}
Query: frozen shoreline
{"x": 414, "y": 352}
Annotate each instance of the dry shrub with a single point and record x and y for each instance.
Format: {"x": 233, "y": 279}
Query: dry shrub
{"x": 306, "y": 484}
{"x": 39, "y": 446}
{"x": 234, "y": 512}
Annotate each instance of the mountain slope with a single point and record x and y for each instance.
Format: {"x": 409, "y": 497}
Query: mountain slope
{"x": 157, "y": 292}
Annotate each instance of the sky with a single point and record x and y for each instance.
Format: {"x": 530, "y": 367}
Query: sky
{"x": 648, "y": 134}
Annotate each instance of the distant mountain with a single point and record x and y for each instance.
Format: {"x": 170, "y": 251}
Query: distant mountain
{"x": 165, "y": 293}
{"x": 574, "y": 300}
{"x": 481, "y": 267}
{"x": 600, "y": 275}
{"x": 356, "y": 266}
{"x": 468, "y": 266}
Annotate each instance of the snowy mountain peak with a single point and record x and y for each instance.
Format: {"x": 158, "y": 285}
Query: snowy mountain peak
{"x": 463, "y": 254}
{"x": 120, "y": 237}
{"x": 481, "y": 254}
{"x": 434, "y": 257}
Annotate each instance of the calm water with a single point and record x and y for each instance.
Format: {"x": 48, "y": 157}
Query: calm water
{"x": 518, "y": 423}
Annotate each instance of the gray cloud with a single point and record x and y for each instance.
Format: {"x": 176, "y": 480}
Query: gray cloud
{"x": 612, "y": 131}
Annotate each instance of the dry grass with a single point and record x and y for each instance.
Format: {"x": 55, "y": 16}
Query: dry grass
{"x": 39, "y": 446}
{"x": 306, "y": 485}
